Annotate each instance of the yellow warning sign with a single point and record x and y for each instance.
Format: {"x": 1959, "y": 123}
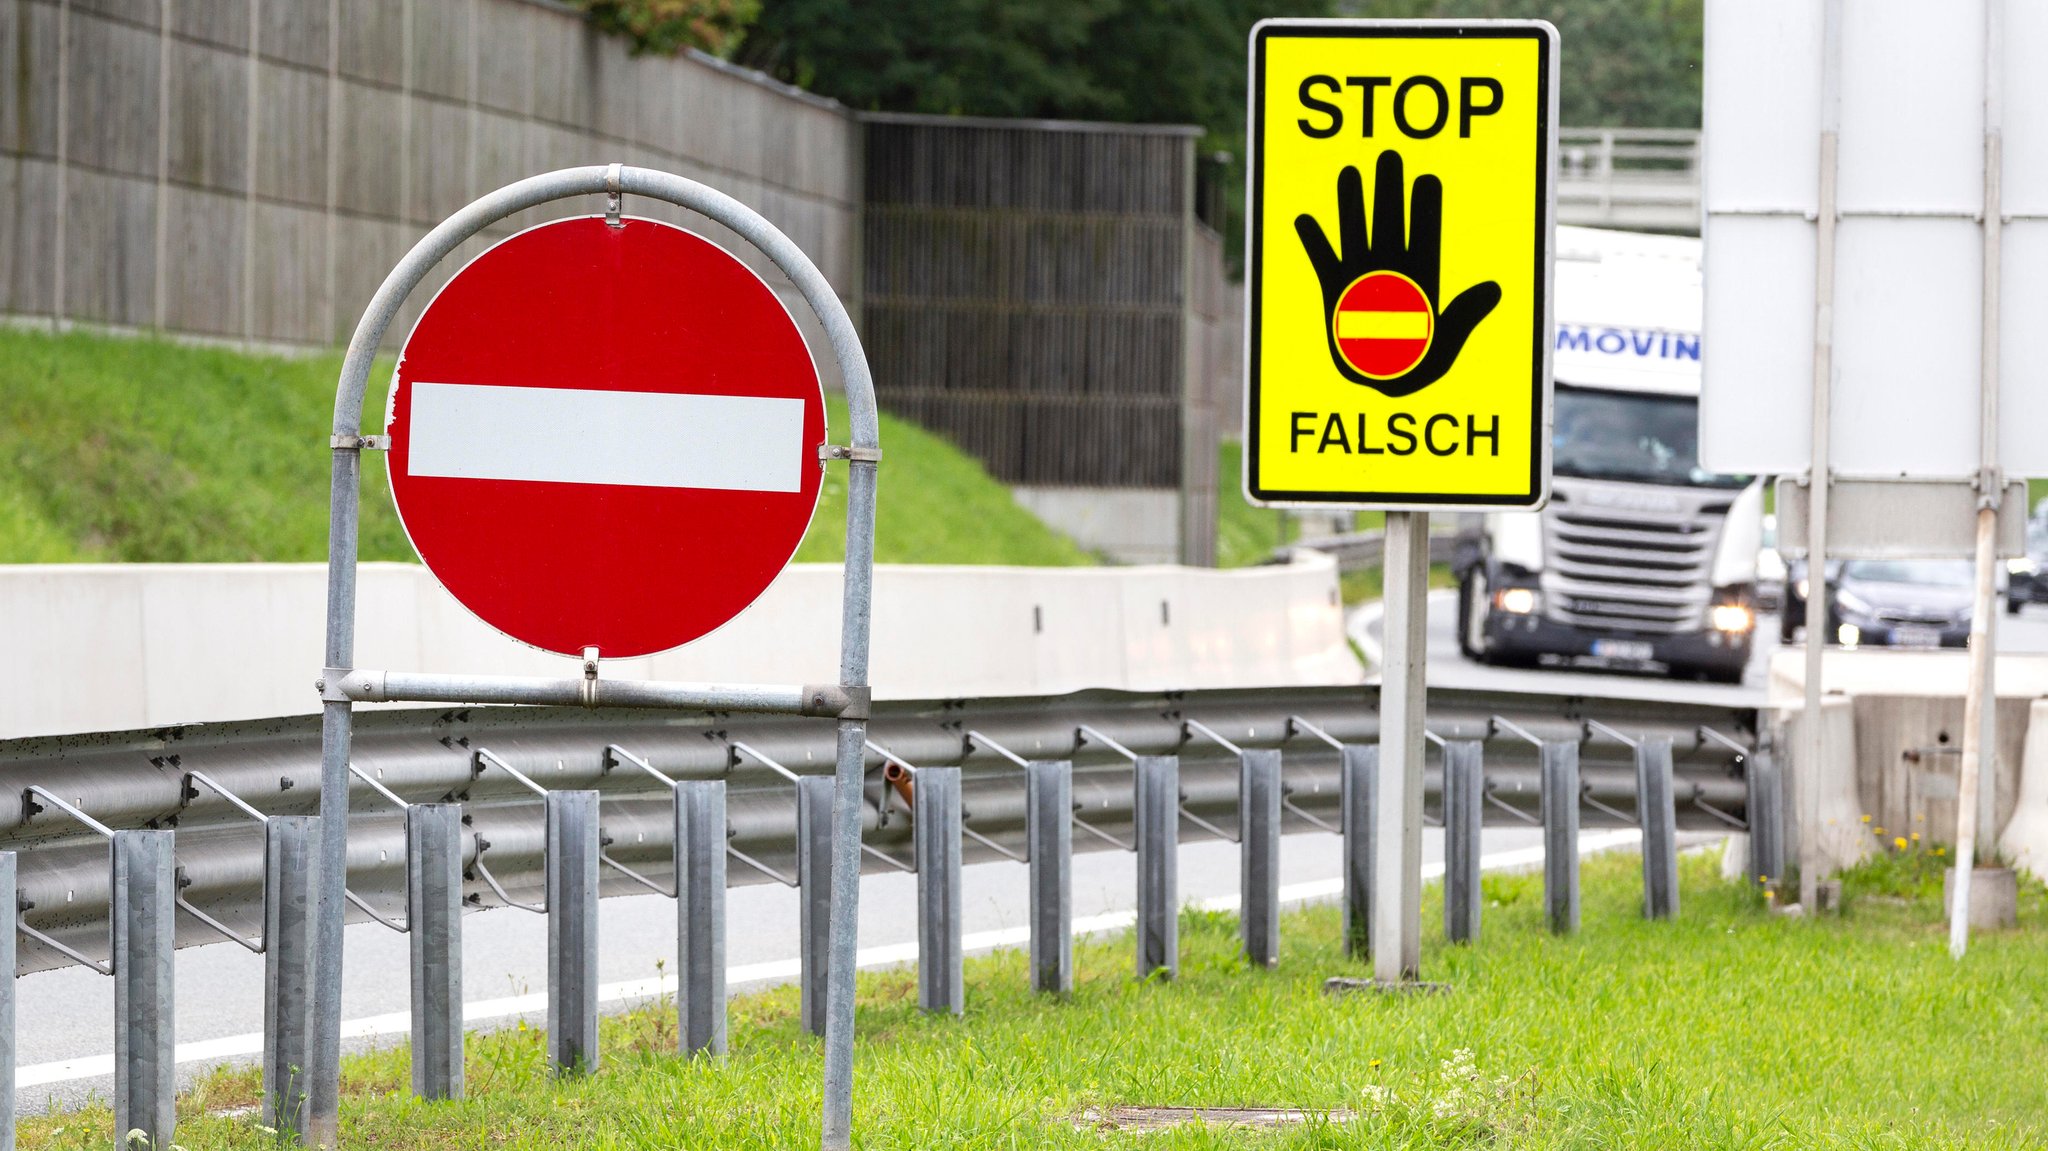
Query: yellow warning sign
{"x": 1398, "y": 263}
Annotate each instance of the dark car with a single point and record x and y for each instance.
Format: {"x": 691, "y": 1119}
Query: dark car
{"x": 1901, "y": 603}
{"x": 1792, "y": 608}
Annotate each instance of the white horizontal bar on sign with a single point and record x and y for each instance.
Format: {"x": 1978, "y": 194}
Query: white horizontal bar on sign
{"x": 584, "y": 436}
{"x": 1382, "y": 326}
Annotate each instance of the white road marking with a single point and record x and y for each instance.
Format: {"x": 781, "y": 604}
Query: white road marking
{"x": 776, "y": 971}
{"x": 578, "y": 436}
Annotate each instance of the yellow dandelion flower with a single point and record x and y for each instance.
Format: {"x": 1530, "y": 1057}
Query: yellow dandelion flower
{"x": 1880, "y": 831}
{"x": 1866, "y": 819}
{"x": 1940, "y": 851}
{"x": 1899, "y": 841}
{"x": 1916, "y": 837}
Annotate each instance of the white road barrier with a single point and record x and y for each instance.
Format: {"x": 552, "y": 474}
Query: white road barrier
{"x": 100, "y": 647}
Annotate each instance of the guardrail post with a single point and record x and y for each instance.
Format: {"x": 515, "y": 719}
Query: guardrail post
{"x": 1464, "y": 793}
{"x": 1658, "y": 817}
{"x": 433, "y": 901}
{"x": 572, "y": 851}
{"x": 935, "y": 797}
{"x": 1049, "y": 834}
{"x": 1766, "y": 813}
{"x": 700, "y": 916}
{"x": 1560, "y": 801}
{"x": 291, "y": 848}
{"x": 814, "y": 895}
{"x": 1258, "y": 838}
{"x": 10, "y": 900}
{"x": 1358, "y": 784}
{"x": 144, "y": 910}
{"x": 1156, "y": 830}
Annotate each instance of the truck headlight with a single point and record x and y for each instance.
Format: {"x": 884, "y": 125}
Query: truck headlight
{"x": 1801, "y": 587}
{"x": 1732, "y": 617}
{"x": 1516, "y": 600}
{"x": 2025, "y": 565}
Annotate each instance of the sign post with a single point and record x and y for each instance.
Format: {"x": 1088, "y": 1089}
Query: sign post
{"x": 1399, "y": 224}
{"x": 581, "y": 415}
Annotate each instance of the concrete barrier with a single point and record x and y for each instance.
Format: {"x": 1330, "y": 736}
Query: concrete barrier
{"x": 102, "y": 647}
{"x": 1844, "y": 839}
{"x": 2026, "y": 834}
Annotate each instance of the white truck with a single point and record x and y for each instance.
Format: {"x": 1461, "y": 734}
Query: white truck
{"x": 1642, "y": 557}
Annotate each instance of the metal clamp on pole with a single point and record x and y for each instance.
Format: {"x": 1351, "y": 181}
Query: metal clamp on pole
{"x": 858, "y": 455}
{"x": 614, "y": 199}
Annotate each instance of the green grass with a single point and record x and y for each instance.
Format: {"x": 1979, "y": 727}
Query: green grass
{"x": 1729, "y": 1028}
{"x": 139, "y": 450}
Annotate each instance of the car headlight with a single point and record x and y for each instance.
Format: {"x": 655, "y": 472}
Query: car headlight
{"x": 2024, "y": 565}
{"x": 1801, "y": 587}
{"x": 1852, "y": 602}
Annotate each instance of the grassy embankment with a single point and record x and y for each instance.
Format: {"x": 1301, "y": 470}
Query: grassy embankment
{"x": 1731, "y": 1027}
{"x": 141, "y": 450}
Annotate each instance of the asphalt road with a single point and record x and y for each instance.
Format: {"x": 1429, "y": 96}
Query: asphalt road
{"x": 65, "y": 1018}
{"x": 2024, "y": 633}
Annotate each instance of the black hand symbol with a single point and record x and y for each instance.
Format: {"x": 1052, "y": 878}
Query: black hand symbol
{"x": 1415, "y": 253}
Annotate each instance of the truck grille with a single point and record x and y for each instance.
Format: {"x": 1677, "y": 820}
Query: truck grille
{"x": 1624, "y": 558}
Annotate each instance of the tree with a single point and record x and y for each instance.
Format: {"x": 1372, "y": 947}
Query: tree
{"x": 669, "y": 26}
{"x": 1624, "y": 63}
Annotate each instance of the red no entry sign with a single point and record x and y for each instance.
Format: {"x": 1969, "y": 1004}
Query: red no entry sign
{"x": 606, "y": 436}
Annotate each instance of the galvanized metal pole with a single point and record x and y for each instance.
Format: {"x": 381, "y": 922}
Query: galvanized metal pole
{"x": 10, "y": 900}
{"x": 1977, "y": 792}
{"x": 1657, "y": 815}
{"x": 1560, "y": 802}
{"x": 700, "y": 916}
{"x": 1820, "y": 475}
{"x": 572, "y": 861}
{"x": 1765, "y": 804}
{"x": 144, "y": 909}
{"x": 291, "y": 864}
{"x": 1358, "y": 782}
{"x": 1155, "y": 816}
{"x": 1258, "y": 848}
{"x": 433, "y": 901}
{"x": 1049, "y": 839}
{"x": 1464, "y": 790}
{"x": 814, "y": 897}
{"x": 941, "y": 982}
{"x": 1397, "y": 838}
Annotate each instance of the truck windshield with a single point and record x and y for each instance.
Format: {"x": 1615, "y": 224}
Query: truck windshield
{"x": 1631, "y": 436}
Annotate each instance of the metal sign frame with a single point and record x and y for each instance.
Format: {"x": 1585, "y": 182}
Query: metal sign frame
{"x": 1549, "y": 51}
{"x": 342, "y": 685}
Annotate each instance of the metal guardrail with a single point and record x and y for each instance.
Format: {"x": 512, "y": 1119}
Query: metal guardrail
{"x": 206, "y": 781}
{"x": 131, "y": 844}
{"x": 1641, "y": 178}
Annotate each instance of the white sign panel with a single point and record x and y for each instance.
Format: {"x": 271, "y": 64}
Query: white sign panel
{"x": 1908, "y": 320}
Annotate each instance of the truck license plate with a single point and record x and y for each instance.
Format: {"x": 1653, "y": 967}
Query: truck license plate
{"x": 1910, "y": 636}
{"x": 1623, "y": 649}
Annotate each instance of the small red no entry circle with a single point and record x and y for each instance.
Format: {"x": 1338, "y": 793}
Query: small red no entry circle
{"x": 606, "y": 436}
{"x": 1383, "y": 324}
